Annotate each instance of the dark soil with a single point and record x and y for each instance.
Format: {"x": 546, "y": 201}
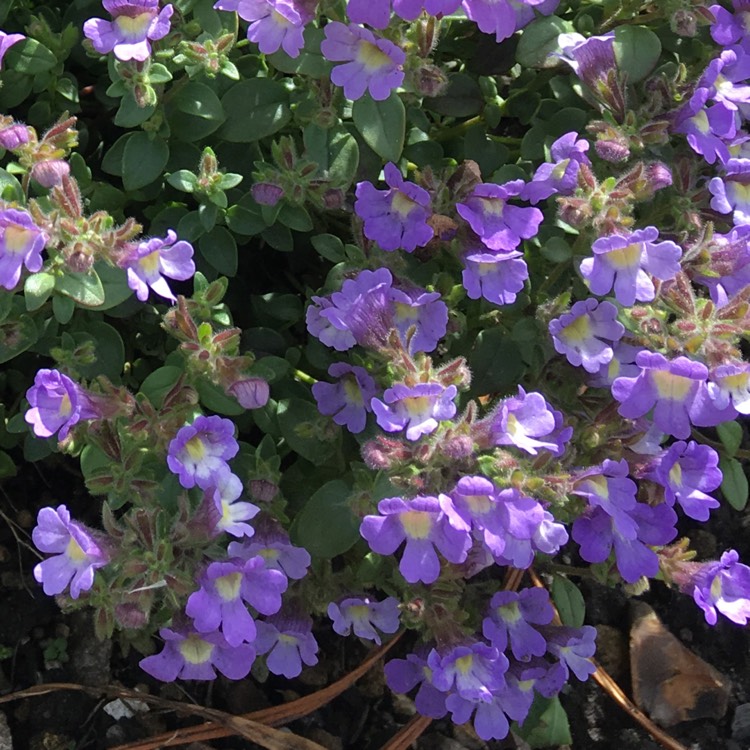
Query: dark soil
{"x": 38, "y": 644}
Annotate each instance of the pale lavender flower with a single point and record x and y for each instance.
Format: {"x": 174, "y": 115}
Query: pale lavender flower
{"x": 423, "y": 526}
{"x": 687, "y": 471}
{"x": 418, "y": 409}
{"x": 728, "y": 267}
{"x": 628, "y": 261}
{"x": 707, "y": 128}
{"x": 730, "y": 193}
{"x": 730, "y": 28}
{"x": 50, "y": 172}
{"x": 500, "y": 225}
{"x": 729, "y": 385}
{"x": 622, "y": 364}
{"x": 526, "y": 10}
{"x": 21, "y": 243}
{"x": 423, "y": 311}
{"x": 403, "y": 675}
{"x": 192, "y": 656}
{"x": 252, "y": 393}
{"x": 590, "y": 58}
{"x": 492, "y": 17}
{"x": 371, "y": 63}
{"x": 347, "y": 400}
{"x": 274, "y": 24}
{"x": 151, "y": 260}
{"x": 289, "y": 642}
{"x": 224, "y": 589}
{"x": 199, "y": 452}
{"x": 364, "y": 616}
{"x": 585, "y": 335}
{"x": 57, "y": 403}
{"x": 722, "y": 586}
{"x": 725, "y": 78}
{"x": 77, "y": 553}
{"x": 574, "y": 647}
{"x": 7, "y": 41}
{"x": 13, "y": 136}
{"x": 410, "y": 9}
{"x": 560, "y": 175}
{"x": 395, "y": 218}
{"x": 135, "y": 23}
{"x": 473, "y": 670}
{"x": 498, "y": 276}
{"x": 226, "y": 512}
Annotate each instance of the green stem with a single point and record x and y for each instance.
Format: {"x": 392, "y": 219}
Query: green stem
{"x": 303, "y": 377}
{"x": 456, "y": 130}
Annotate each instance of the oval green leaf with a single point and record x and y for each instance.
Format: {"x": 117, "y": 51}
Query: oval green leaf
{"x": 382, "y": 124}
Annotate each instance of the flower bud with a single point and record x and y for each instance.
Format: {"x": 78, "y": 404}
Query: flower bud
{"x": 266, "y": 193}
{"x": 50, "y": 173}
{"x": 613, "y": 149}
{"x": 14, "y": 136}
{"x": 263, "y": 490}
{"x": 252, "y": 393}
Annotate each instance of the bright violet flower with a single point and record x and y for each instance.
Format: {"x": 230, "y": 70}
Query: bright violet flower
{"x": 499, "y": 225}
{"x": 274, "y": 24}
{"x": 622, "y": 364}
{"x": 731, "y": 28}
{"x": 527, "y": 10}
{"x": 403, "y": 675}
{"x": 224, "y": 589}
{"x": 21, "y": 243}
{"x": 425, "y": 312}
{"x": 395, "y": 218}
{"x": 135, "y": 24}
{"x": 512, "y": 615}
{"x": 560, "y": 175}
{"x": 193, "y": 656}
{"x": 363, "y": 616}
{"x": 371, "y": 64}
{"x": 730, "y": 385}
{"x": 150, "y": 261}
{"x": 424, "y": 527}
{"x": 674, "y": 389}
{"x": 591, "y": 58}
{"x": 585, "y": 335}
{"x": 574, "y": 647}
{"x": 57, "y": 403}
{"x": 227, "y": 514}
{"x": 628, "y": 262}
{"x": 472, "y": 670}
{"x": 725, "y": 76}
{"x": 417, "y": 409}
{"x": 731, "y": 193}
{"x": 707, "y": 128}
{"x": 199, "y": 452}
{"x": 6, "y": 42}
{"x": 687, "y": 471}
{"x": 348, "y": 400}
{"x": 722, "y": 586}
{"x": 498, "y": 277}
{"x": 289, "y": 643}
{"x": 492, "y": 17}
{"x": 77, "y": 553}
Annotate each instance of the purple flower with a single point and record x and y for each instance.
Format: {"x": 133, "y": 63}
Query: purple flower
{"x": 13, "y": 136}
{"x": 222, "y": 493}
{"x": 192, "y": 656}
{"x": 723, "y": 586}
{"x": 574, "y": 647}
{"x": 371, "y": 64}
{"x": 724, "y": 78}
{"x": 499, "y": 225}
{"x": 289, "y": 642}
{"x": 473, "y": 670}
{"x": 251, "y": 393}
{"x": 402, "y": 675}
{"x": 50, "y": 172}
{"x": 198, "y": 454}
{"x": 21, "y": 243}
{"x": 135, "y": 23}
{"x": 626, "y": 261}
{"x": 591, "y": 58}
{"x": 348, "y": 400}
{"x": 731, "y": 194}
{"x": 560, "y": 175}
{"x": 150, "y": 261}
{"x": 274, "y": 24}
{"x": 498, "y": 277}
{"x": 731, "y": 28}
{"x": 674, "y": 389}
{"x": 363, "y": 616}
{"x": 6, "y": 42}
{"x": 729, "y": 385}
{"x": 511, "y": 617}
{"x": 418, "y": 409}
{"x": 395, "y": 218}
{"x": 687, "y": 471}
{"x": 585, "y": 334}
{"x": 77, "y": 553}
{"x": 410, "y": 9}
{"x": 728, "y": 267}
{"x": 424, "y": 312}
{"x": 492, "y": 17}
{"x": 57, "y": 403}
{"x": 622, "y": 364}
{"x": 707, "y": 128}
{"x": 224, "y": 589}
{"x": 421, "y": 523}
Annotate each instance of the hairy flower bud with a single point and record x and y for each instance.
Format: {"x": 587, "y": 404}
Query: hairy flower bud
{"x": 50, "y": 173}
{"x": 266, "y": 193}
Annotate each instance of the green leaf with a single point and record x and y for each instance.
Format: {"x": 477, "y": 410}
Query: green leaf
{"x": 143, "y": 160}
{"x": 335, "y": 151}
{"x": 245, "y": 220}
{"x": 194, "y": 112}
{"x": 219, "y": 248}
{"x": 7, "y": 466}
{"x": 546, "y": 725}
{"x": 307, "y": 431}
{"x": 63, "y": 308}
{"x": 16, "y": 337}
{"x": 538, "y": 40}
{"x": 130, "y": 115}
{"x": 734, "y": 485}
{"x": 215, "y": 399}
{"x": 326, "y": 526}
{"x": 495, "y": 362}
{"x": 156, "y": 385}
{"x": 461, "y": 98}
{"x": 382, "y": 124}
{"x": 730, "y": 434}
{"x": 115, "y": 283}
{"x": 29, "y": 57}
{"x": 10, "y": 187}
{"x": 37, "y": 289}
{"x": 109, "y": 351}
{"x": 330, "y": 247}
{"x": 637, "y": 50}
{"x": 255, "y": 108}
{"x": 112, "y": 161}
{"x": 569, "y": 601}
{"x": 183, "y": 180}
{"x": 310, "y": 62}
{"x": 84, "y": 288}
{"x": 295, "y": 217}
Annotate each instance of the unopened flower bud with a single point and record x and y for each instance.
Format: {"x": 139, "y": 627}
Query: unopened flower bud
{"x": 130, "y": 616}
{"x": 684, "y": 23}
{"x": 383, "y": 452}
{"x": 14, "y": 136}
{"x": 50, "y": 173}
{"x": 613, "y": 150}
{"x": 252, "y": 393}
{"x": 263, "y": 490}
{"x": 429, "y": 80}
{"x": 458, "y": 447}
{"x": 266, "y": 193}
{"x": 333, "y": 198}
